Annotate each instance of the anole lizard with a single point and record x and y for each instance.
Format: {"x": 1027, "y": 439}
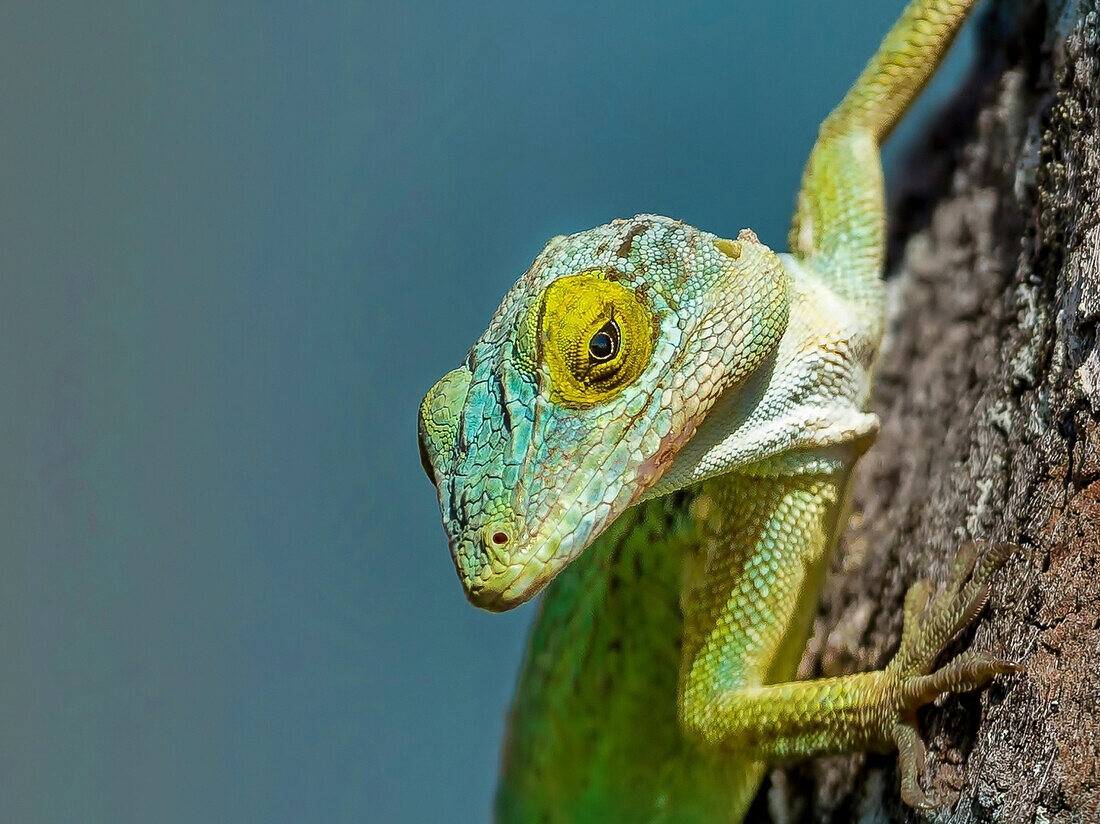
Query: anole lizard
{"x": 660, "y": 424}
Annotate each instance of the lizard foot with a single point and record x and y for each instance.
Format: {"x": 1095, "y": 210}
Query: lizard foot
{"x": 927, "y": 629}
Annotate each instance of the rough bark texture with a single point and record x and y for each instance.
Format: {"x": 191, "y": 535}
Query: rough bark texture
{"x": 989, "y": 393}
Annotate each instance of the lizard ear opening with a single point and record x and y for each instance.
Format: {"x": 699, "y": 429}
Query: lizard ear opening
{"x": 596, "y": 338}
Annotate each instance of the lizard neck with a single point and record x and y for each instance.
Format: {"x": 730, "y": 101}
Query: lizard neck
{"x": 809, "y": 398}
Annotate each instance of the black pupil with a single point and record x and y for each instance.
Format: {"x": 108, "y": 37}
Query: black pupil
{"x": 605, "y": 342}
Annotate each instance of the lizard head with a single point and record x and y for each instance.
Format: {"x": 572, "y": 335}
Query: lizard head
{"x": 597, "y": 367}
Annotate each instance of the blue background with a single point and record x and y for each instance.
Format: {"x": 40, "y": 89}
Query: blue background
{"x": 238, "y": 242}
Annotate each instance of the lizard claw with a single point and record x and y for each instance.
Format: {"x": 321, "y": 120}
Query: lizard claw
{"x": 927, "y": 629}
{"x": 929, "y": 625}
{"x": 911, "y": 764}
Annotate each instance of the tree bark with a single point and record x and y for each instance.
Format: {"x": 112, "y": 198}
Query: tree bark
{"x": 989, "y": 394}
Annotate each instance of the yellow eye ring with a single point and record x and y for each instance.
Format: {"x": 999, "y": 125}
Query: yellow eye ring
{"x": 595, "y": 336}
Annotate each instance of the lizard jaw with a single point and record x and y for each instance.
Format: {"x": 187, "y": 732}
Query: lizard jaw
{"x": 500, "y": 575}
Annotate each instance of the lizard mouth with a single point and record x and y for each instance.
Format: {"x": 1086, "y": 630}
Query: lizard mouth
{"x": 502, "y": 593}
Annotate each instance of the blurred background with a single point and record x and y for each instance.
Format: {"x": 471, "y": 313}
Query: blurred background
{"x": 238, "y": 242}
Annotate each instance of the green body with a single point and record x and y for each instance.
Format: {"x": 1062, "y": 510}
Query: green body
{"x": 658, "y": 427}
{"x": 594, "y": 731}
{"x": 594, "y": 734}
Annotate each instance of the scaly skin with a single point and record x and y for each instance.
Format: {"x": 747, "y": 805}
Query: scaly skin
{"x": 665, "y": 421}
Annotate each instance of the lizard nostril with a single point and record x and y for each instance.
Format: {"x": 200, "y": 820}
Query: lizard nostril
{"x": 495, "y": 540}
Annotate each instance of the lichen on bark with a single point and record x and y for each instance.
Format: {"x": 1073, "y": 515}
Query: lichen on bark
{"x": 989, "y": 393}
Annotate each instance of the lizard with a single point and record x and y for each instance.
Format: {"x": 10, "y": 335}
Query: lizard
{"x": 658, "y": 428}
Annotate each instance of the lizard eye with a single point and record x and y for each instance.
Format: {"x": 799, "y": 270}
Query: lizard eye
{"x": 596, "y": 338}
{"x": 438, "y": 423}
{"x": 605, "y": 343}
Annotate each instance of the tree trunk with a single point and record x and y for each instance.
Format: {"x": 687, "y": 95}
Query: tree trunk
{"x": 989, "y": 394}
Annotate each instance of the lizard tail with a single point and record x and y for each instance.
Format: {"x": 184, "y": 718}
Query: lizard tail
{"x": 839, "y": 225}
{"x": 899, "y": 70}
